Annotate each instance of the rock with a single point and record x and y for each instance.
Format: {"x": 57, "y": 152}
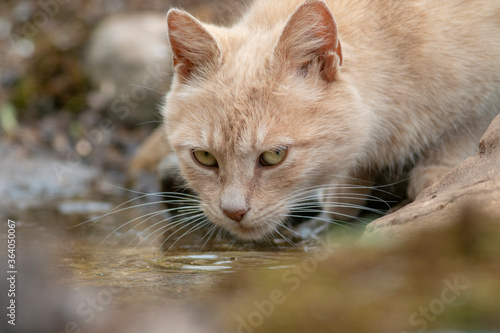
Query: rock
{"x": 472, "y": 187}
{"x": 30, "y": 180}
{"x": 130, "y": 65}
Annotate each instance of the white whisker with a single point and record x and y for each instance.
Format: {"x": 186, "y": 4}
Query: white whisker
{"x": 187, "y": 220}
{"x": 170, "y": 225}
{"x": 275, "y": 228}
{"x": 209, "y": 235}
{"x": 192, "y": 229}
{"x": 192, "y": 220}
{"x": 151, "y": 215}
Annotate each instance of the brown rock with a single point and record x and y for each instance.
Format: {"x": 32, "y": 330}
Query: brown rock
{"x": 474, "y": 185}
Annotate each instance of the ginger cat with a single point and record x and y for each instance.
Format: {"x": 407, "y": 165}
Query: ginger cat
{"x": 298, "y": 99}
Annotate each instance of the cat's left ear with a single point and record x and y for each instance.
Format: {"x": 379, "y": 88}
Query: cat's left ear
{"x": 310, "y": 34}
{"x": 193, "y": 47}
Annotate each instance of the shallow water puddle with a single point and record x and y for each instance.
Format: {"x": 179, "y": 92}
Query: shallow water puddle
{"x": 130, "y": 261}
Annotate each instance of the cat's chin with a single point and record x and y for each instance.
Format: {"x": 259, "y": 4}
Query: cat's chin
{"x": 250, "y": 232}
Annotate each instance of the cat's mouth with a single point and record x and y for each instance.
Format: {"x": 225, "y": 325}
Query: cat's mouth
{"x": 249, "y": 232}
{"x": 256, "y": 231}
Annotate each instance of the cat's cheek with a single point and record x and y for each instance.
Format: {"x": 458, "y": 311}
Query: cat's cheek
{"x": 199, "y": 179}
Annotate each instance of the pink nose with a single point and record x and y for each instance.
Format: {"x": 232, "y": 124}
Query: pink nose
{"x": 236, "y": 215}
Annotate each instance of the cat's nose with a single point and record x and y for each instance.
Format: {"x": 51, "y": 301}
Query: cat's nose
{"x": 236, "y": 215}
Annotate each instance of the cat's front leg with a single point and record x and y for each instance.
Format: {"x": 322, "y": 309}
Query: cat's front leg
{"x": 434, "y": 164}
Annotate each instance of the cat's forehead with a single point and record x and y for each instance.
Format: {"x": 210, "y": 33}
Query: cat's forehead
{"x": 233, "y": 120}
{"x": 245, "y": 54}
{"x": 242, "y": 119}
{"x": 241, "y": 125}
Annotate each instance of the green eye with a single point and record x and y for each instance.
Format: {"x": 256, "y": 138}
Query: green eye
{"x": 272, "y": 157}
{"x": 205, "y": 158}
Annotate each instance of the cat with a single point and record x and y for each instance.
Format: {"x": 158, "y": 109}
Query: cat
{"x": 301, "y": 100}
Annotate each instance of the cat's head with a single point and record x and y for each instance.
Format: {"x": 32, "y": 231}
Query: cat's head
{"x": 259, "y": 116}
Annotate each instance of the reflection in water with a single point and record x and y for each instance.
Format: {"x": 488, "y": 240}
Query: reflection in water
{"x": 113, "y": 252}
{"x": 87, "y": 258}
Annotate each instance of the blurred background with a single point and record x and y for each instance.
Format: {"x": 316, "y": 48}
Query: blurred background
{"x": 80, "y": 85}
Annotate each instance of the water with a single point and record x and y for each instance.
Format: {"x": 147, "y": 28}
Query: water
{"x": 74, "y": 268}
{"x": 131, "y": 261}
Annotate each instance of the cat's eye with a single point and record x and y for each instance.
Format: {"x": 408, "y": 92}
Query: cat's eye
{"x": 205, "y": 158}
{"x": 272, "y": 157}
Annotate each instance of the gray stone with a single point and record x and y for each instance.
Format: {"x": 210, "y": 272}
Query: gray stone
{"x": 28, "y": 181}
{"x": 129, "y": 62}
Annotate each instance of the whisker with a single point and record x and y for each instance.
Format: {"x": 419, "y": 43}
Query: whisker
{"x": 302, "y": 191}
{"x": 193, "y": 229}
{"x": 219, "y": 234}
{"x": 113, "y": 211}
{"x": 209, "y": 235}
{"x": 149, "y": 122}
{"x": 308, "y": 202}
{"x": 196, "y": 220}
{"x": 314, "y": 208}
{"x": 289, "y": 229}
{"x": 146, "y": 87}
{"x": 331, "y": 221}
{"x": 171, "y": 225}
{"x": 168, "y": 226}
{"x": 285, "y": 238}
{"x": 151, "y": 215}
{"x": 267, "y": 237}
{"x": 347, "y": 195}
{"x": 165, "y": 194}
{"x": 232, "y": 243}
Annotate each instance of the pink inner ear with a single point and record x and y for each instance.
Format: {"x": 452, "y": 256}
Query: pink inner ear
{"x": 192, "y": 45}
{"x": 181, "y": 63}
{"x": 327, "y": 31}
{"x": 311, "y": 32}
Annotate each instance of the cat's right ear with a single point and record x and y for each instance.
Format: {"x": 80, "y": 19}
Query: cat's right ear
{"x": 310, "y": 36}
{"x": 193, "y": 47}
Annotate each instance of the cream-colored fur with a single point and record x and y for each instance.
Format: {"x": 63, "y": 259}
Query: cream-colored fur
{"x": 378, "y": 85}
